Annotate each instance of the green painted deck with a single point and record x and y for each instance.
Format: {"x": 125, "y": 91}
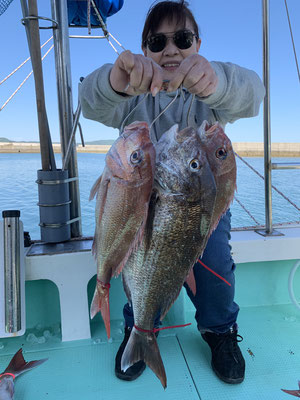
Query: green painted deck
{"x": 85, "y": 369}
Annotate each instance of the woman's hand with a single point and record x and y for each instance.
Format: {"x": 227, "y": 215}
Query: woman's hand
{"x": 135, "y": 74}
{"x": 196, "y": 74}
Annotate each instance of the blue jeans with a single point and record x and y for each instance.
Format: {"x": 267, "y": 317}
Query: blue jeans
{"x": 216, "y": 310}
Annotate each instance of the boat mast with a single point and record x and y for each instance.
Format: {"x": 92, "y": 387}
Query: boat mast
{"x": 65, "y": 105}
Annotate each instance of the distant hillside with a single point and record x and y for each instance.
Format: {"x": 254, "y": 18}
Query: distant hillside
{"x": 3, "y": 139}
{"x": 101, "y": 142}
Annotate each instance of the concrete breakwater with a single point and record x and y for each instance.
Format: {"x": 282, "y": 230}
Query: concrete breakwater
{"x": 244, "y": 149}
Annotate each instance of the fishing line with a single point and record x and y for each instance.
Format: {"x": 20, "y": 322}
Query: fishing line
{"x": 165, "y": 109}
{"x": 213, "y": 272}
{"x": 134, "y": 108}
{"x": 179, "y": 90}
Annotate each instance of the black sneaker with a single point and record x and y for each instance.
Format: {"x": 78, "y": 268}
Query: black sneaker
{"x": 227, "y": 360}
{"x": 135, "y": 370}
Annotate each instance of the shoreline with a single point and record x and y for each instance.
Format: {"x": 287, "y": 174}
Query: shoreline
{"x": 244, "y": 149}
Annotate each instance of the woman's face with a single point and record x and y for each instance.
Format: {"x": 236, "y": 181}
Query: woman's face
{"x": 171, "y": 56}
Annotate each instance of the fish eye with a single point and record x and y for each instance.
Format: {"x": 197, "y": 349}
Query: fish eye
{"x": 136, "y": 157}
{"x": 195, "y": 164}
{"x": 221, "y": 153}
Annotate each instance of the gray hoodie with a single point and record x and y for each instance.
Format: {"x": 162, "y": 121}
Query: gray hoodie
{"x": 238, "y": 95}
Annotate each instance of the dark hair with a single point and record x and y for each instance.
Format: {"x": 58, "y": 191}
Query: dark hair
{"x": 167, "y": 10}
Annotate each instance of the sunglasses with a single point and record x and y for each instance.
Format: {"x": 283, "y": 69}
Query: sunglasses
{"x": 183, "y": 39}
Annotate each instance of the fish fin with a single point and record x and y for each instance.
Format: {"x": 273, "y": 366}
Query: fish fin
{"x": 143, "y": 346}
{"x": 137, "y": 239}
{"x": 100, "y": 303}
{"x": 94, "y": 247}
{"x": 18, "y": 365}
{"x": 126, "y": 289}
{"x": 132, "y": 247}
{"x": 295, "y": 393}
{"x": 95, "y": 188}
{"x": 191, "y": 282}
{"x": 216, "y": 223}
{"x": 154, "y": 199}
{"x": 101, "y": 188}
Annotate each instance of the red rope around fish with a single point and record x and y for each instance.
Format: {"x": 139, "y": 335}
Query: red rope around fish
{"x": 154, "y": 330}
{"x": 219, "y": 276}
{"x": 104, "y": 285}
{"x": 8, "y": 373}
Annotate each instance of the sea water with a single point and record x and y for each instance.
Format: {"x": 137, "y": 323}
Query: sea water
{"x": 18, "y": 190}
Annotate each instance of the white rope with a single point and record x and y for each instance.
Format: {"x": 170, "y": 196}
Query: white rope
{"x": 19, "y": 87}
{"x": 23, "y": 63}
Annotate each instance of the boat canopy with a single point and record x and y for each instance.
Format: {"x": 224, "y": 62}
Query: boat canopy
{"x": 78, "y": 10}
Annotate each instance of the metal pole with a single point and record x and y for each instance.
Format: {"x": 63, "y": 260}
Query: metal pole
{"x": 12, "y": 285}
{"x": 65, "y": 105}
{"x": 295, "y": 165}
{"x": 267, "y": 128}
{"x": 33, "y": 37}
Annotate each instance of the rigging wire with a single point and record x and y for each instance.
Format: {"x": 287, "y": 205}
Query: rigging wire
{"x": 292, "y": 37}
{"x": 245, "y": 209}
{"x": 19, "y": 87}
{"x": 105, "y": 31}
{"x": 262, "y": 177}
{"x": 23, "y": 63}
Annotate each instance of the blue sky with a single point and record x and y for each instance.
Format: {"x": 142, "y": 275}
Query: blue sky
{"x": 230, "y": 31}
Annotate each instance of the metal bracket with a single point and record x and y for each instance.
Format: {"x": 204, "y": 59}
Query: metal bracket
{"x": 263, "y": 232}
{"x": 59, "y": 225}
{"x": 53, "y": 26}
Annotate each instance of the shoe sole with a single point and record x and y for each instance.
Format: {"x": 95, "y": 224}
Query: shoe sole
{"x": 232, "y": 381}
{"x": 124, "y": 377}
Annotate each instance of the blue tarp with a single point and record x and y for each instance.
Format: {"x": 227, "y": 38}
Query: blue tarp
{"x": 77, "y": 11}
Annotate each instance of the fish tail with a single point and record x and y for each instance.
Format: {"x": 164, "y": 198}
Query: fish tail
{"x": 292, "y": 392}
{"x": 100, "y": 303}
{"x": 143, "y": 346}
{"x": 18, "y": 365}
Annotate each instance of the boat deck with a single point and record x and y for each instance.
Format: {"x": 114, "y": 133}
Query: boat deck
{"x": 84, "y": 369}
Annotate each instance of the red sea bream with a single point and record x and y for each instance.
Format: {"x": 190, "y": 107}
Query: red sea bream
{"x": 123, "y": 193}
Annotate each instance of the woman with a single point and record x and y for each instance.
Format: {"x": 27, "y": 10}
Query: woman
{"x": 222, "y": 92}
